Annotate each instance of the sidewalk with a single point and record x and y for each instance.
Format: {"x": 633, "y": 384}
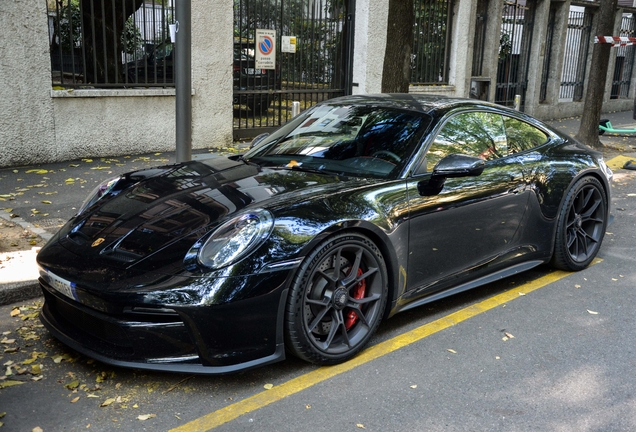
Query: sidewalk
{"x": 41, "y": 198}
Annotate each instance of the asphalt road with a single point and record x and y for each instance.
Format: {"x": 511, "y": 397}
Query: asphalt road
{"x": 440, "y": 367}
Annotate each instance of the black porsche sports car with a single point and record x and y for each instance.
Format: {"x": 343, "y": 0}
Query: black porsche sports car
{"x": 357, "y": 209}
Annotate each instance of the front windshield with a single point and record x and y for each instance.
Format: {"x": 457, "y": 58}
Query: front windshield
{"x": 351, "y": 140}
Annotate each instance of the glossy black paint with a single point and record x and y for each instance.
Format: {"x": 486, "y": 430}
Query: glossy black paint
{"x": 139, "y": 301}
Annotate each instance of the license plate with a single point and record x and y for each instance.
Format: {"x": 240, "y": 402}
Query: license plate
{"x": 61, "y": 285}
{"x": 252, "y": 71}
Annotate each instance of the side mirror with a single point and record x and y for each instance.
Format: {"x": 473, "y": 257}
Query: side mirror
{"x": 455, "y": 165}
{"x": 459, "y": 165}
{"x": 258, "y": 139}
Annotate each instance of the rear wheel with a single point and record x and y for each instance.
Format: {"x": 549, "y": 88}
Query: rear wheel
{"x": 581, "y": 225}
{"x": 337, "y": 300}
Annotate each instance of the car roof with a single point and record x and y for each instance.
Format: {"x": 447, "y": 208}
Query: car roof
{"x": 428, "y": 104}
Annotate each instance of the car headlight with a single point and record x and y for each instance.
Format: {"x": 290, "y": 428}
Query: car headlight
{"x": 235, "y": 239}
{"x": 606, "y": 170}
{"x": 102, "y": 189}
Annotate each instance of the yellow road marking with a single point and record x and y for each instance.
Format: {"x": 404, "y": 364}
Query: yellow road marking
{"x": 260, "y": 400}
{"x": 618, "y": 162}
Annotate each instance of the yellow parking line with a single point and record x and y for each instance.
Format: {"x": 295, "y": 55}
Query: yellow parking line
{"x": 260, "y": 400}
{"x": 618, "y": 162}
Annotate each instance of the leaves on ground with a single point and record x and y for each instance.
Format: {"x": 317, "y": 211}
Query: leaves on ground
{"x": 144, "y": 417}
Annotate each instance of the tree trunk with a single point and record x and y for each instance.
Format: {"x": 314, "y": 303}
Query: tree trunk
{"x": 396, "y": 72}
{"x": 593, "y": 104}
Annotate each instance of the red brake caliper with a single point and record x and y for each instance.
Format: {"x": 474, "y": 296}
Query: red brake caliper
{"x": 358, "y": 293}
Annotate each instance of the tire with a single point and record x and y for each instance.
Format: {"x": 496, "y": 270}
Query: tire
{"x": 581, "y": 225}
{"x": 337, "y": 300}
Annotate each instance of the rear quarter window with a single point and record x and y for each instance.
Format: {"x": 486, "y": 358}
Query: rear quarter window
{"x": 523, "y": 136}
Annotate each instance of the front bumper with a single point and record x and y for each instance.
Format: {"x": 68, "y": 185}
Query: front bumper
{"x": 206, "y": 339}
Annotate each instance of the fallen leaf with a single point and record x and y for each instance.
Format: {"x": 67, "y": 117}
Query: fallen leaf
{"x": 360, "y": 426}
{"x": 510, "y": 336}
{"x": 414, "y": 386}
{"x": 577, "y": 286}
{"x": 307, "y": 406}
{"x": 10, "y": 383}
{"x": 75, "y": 399}
{"x": 522, "y": 294}
{"x": 46, "y": 202}
{"x": 91, "y": 395}
{"x": 146, "y": 416}
{"x": 7, "y": 341}
{"x": 37, "y": 171}
{"x": 268, "y": 386}
{"x": 451, "y": 351}
{"x": 15, "y": 312}
{"x": 107, "y": 402}
{"x": 72, "y": 385}
{"x": 592, "y": 312}
{"x": 37, "y": 429}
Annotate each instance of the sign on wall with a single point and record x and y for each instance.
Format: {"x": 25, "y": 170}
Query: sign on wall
{"x": 288, "y": 44}
{"x": 265, "y": 52}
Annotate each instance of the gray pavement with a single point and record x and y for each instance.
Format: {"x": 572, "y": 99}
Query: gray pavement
{"x": 42, "y": 197}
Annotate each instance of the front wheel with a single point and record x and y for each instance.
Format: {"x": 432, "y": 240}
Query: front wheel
{"x": 337, "y": 300}
{"x": 581, "y": 225}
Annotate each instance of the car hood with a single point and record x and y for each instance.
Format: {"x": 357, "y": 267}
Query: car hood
{"x": 169, "y": 208}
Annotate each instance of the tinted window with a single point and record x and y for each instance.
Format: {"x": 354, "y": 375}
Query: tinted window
{"x": 345, "y": 139}
{"x": 478, "y": 134}
{"x": 522, "y": 136}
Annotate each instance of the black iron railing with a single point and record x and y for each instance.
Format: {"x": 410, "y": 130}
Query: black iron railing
{"x": 624, "y": 60}
{"x": 575, "y": 57}
{"x": 111, "y": 43}
{"x": 431, "y": 42}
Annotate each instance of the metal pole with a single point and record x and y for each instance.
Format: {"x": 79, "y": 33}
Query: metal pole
{"x": 183, "y": 80}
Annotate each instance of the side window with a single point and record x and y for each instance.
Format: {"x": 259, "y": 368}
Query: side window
{"x": 522, "y": 136}
{"x": 478, "y": 134}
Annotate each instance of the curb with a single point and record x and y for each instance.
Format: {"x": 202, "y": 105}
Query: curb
{"x": 13, "y": 292}
{"x": 19, "y": 291}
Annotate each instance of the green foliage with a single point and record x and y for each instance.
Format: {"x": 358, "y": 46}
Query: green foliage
{"x": 429, "y": 41}
{"x": 131, "y": 39}
{"x": 68, "y": 27}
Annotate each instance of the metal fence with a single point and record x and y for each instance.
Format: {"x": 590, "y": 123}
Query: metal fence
{"x": 431, "y": 42}
{"x": 576, "y": 49}
{"x": 624, "y": 61}
{"x": 514, "y": 51}
{"x": 545, "y": 71}
{"x": 316, "y": 67}
{"x": 111, "y": 43}
{"x": 480, "y": 38}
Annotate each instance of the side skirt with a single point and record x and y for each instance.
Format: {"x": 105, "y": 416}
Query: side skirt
{"x": 501, "y": 274}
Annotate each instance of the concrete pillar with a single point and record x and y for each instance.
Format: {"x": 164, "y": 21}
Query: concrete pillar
{"x": 492, "y": 43}
{"x": 460, "y": 59}
{"x": 369, "y": 45}
{"x": 538, "y": 55}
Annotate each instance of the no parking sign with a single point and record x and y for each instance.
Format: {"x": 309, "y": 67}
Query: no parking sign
{"x": 265, "y": 52}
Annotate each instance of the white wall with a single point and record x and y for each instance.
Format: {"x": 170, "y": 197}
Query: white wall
{"x": 40, "y": 125}
{"x": 26, "y": 109}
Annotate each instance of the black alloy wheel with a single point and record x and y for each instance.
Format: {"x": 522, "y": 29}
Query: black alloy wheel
{"x": 337, "y": 300}
{"x": 581, "y": 225}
